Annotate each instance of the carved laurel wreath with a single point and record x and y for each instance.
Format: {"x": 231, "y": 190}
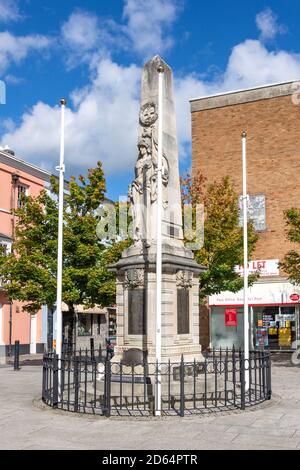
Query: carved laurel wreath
{"x": 184, "y": 278}
{"x": 134, "y": 277}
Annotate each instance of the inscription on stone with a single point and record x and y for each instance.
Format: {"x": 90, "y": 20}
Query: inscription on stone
{"x": 136, "y": 311}
{"x": 183, "y": 320}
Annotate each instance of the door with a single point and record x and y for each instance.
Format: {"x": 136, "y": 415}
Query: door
{"x": 33, "y": 334}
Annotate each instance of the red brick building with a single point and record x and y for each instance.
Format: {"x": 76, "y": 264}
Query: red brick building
{"x": 271, "y": 115}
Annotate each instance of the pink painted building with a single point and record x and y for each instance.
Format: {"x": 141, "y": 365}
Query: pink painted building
{"x": 18, "y": 177}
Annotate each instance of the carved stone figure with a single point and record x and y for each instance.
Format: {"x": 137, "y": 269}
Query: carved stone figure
{"x": 143, "y": 190}
{"x": 148, "y": 114}
{"x": 137, "y": 191}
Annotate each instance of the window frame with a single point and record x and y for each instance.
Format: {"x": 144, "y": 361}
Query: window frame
{"x": 20, "y": 204}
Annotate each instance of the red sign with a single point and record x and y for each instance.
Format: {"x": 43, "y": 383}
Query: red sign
{"x": 231, "y": 317}
{"x": 294, "y": 297}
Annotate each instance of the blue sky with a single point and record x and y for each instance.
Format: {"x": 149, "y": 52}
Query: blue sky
{"x": 92, "y": 51}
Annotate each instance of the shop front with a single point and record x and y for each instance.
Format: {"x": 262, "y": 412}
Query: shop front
{"x": 273, "y": 316}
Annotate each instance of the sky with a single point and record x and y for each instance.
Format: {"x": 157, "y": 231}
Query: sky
{"x": 92, "y": 51}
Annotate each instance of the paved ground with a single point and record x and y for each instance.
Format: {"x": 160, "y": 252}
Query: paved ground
{"x": 24, "y": 425}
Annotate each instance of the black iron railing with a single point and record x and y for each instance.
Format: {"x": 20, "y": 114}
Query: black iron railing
{"x": 87, "y": 382}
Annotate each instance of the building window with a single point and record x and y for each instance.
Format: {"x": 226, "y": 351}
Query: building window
{"x": 275, "y": 327}
{"x": 98, "y": 324}
{"x": 112, "y": 326}
{"x": 101, "y": 320}
{"x": 256, "y": 212}
{"x": 22, "y": 193}
{"x": 84, "y": 325}
{"x": 6, "y": 247}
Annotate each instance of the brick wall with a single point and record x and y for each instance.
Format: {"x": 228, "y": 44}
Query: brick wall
{"x": 273, "y": 158}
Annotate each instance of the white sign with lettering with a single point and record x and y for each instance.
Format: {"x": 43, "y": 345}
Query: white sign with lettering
{"x": 266, "y": 267}
{"x": 264, "y": 293}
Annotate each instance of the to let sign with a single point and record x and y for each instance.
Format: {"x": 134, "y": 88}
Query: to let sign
{"x": 265, "y": 267}
{"x": 231, "y": 317}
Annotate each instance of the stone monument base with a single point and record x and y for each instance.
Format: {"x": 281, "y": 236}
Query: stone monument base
{"x": 136, "y": 304}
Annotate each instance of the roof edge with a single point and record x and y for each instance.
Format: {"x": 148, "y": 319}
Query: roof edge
{"x": 22, "y": 165}
{"x": 245, "y": 95}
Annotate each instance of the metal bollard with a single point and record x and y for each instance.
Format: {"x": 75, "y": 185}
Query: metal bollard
{"x": 92, "y": 348}
{"x": 181, "y": 373}
{"x": 17, "y": 355}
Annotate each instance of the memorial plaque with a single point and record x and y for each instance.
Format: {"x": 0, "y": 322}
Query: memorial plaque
{"x": 136, "y": 312}
{"x": 183, "y": 320}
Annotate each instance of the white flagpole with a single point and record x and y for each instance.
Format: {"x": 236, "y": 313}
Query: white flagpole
{"x": 245, "y": 242}
{"x": 159, "y": 242}
{"x": 61, "y": 169}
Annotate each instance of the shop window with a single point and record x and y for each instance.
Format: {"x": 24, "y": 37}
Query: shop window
{"x": 226, "y": 336}
{"x": 84, "y": 325}
{"x": 277, "y": 325}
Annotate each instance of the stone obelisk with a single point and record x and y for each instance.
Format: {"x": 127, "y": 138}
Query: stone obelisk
{"x": 136, "y": 270}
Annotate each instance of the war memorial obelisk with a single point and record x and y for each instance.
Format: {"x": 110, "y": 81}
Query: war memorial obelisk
{"x": 136, "y": 270}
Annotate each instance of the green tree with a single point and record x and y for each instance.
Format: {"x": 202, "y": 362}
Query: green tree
{"x": 291, "y": 262}
{"x": 222, "y": 246}
{"x": 29, "y": 272}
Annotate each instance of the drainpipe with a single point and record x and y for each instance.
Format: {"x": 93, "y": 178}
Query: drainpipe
{"x": 14, "y": 181}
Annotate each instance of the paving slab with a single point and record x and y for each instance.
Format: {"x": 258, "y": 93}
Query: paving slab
{"x": 25, "y": 423}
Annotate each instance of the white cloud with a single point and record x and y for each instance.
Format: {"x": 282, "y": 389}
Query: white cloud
{"x": 13, "y": 49}
{"x": 184, "y": 89}
{"x": 266, "y": 22}
{"x": 89, "y": 38}
{"x": 80, "y": 30}
{"x": 149, "y": 23}
{"x": 9, "y": 10}
{"x": 251, "y": 63}
{"x": 102, "y": 120}
{"x": 102, "y": 125}
{"x": 80, "y": 36}
{"x": 146, "y": 30}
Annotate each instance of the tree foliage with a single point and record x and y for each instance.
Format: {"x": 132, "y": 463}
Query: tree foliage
{"x": 222, "y": 246}
{"x": 291, "y": 262}
{"x": 29, "y": 272}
